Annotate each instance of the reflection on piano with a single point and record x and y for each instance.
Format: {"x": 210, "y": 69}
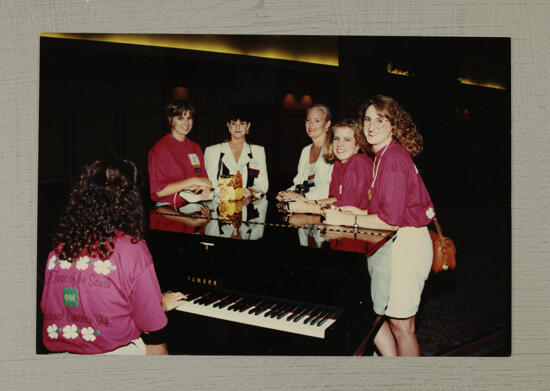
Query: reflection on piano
{"x": 244, "y": 220}
{"x": 276, "y": 294}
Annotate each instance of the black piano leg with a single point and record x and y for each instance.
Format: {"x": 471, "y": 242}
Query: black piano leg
{"x": 367, "y": 346}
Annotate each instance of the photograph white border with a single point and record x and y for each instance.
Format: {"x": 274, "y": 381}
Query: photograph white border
{"x": 526, "y": 24}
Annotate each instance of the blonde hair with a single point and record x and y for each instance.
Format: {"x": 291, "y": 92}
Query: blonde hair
{"x": 358, "y": 135}
{"x": 323, "y": 108}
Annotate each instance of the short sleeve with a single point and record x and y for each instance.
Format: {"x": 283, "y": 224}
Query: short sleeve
{"x": 156, "y": 176}
{"x": 355, "y": 183}
{"x": 147, "y": 302}
{"x": 392, "y": 192}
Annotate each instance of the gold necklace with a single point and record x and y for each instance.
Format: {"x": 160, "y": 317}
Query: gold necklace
{"x": 375, "y": 171}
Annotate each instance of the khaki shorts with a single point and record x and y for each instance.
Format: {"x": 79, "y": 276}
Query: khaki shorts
{"x": 398, "y": 272}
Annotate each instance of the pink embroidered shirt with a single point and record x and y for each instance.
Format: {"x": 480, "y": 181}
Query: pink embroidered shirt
{"x": 95, "y": 306}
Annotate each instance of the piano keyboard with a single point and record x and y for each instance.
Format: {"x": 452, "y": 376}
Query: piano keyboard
{"x": 276, "y": 314}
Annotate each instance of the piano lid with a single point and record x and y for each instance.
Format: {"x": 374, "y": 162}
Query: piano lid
{"x": 260, "y": 220}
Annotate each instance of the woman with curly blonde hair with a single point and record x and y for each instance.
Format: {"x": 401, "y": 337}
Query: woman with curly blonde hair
{"x": 398, "y": 201}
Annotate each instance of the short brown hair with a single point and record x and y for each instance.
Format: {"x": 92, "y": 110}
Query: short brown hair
{"x": 177, "y": 108}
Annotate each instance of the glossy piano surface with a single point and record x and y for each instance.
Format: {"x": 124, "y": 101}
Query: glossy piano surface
{"x": 272, "y": 283}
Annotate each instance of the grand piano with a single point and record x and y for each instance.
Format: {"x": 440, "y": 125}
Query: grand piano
{"x": 262, "y": 282}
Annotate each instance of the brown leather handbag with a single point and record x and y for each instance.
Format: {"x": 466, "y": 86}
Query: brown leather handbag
{"x": 444, "y": 250}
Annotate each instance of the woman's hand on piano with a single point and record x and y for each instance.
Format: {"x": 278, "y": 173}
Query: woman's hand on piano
{"x": 289, "y": 196}
{"x": 171, "y": 300}
{"x": 352, "y": 210}
{"x": 334, "y": 216}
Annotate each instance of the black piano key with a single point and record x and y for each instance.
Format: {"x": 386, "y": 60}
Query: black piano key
{"x": 202, "y": 297}
{"x": 236, "y": 302}
{"x": 265, "y": 307}
{"x": 330, "y": 315}
{"x": 284, "y": 311}
{"x": 280, "y": 307}
{"x": 316, "y": 311}
{"x": 191, "y": 296}
{"x": 304, "y": 312}
{"x": 272, "y": 309}
{"x": 243, "y": 304}
{"x": 212, "y": 299}
{"x": 221, "y": 301}
{"x": 256, "y": 305}
{"x": 295, "y": 312}
{"x": 318, "y": 318}
{"x": 230, "y": 300}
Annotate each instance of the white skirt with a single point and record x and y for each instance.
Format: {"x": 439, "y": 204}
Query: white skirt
{"x": 398, "y": 271}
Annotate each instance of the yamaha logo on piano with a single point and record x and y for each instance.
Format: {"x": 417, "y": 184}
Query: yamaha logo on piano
{"x": 203, "y": 281}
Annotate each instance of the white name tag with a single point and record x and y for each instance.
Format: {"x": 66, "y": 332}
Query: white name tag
{"x": 194, "y": 159}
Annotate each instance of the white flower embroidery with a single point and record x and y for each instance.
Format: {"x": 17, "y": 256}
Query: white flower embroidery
{"x": 430, "y": 213}
{"x": 70, "y": 331}
{"x": 103, "y": 267}
{"x": 82, "y": 263}
{"x": 65, "y": 264}
{"x": 88, "y": 334}
{"x": 52, "y": 262}
{"x": 52, "y": 331}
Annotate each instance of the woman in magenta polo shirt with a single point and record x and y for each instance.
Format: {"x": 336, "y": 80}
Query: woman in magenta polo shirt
{"x": 397, "y": 200}
{"x": 101, "y": 293}
{"x": 175, "y": 162}
{"x": 351, "y": 175}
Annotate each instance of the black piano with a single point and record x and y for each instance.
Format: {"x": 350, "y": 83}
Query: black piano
{"x": 261, "y": 282}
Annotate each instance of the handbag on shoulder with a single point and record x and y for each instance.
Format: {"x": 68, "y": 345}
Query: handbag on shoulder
{"x": 444, "y": 250}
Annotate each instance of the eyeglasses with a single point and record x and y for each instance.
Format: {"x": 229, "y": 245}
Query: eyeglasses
{"x": 378, "y": 122}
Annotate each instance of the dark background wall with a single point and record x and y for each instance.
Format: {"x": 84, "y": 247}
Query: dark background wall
{"x": 98, "y": 98}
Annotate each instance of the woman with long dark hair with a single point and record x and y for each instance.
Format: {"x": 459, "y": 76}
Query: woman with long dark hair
{"x": 398, "y": 201}
{"x": 100, "y": 288}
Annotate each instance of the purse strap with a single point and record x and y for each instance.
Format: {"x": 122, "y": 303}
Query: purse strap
{"x": 438, "y": 227}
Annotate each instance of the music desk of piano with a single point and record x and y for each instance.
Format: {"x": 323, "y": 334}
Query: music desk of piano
{"x": 262, "y": 283}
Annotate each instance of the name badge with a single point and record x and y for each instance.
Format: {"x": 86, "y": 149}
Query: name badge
{"x": 311, "y": 180}
{"x": 195, "y": 162}
{"x": 253, "y": 173}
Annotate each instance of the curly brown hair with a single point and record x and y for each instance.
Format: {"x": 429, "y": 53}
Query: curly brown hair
{"x": 404, "y": 129}
{"x": 104, "y": 198}
{"x": 358, "y": 134}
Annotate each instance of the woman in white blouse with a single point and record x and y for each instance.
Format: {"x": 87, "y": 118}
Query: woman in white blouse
{"x": 237, "y": 154}
{"x": 314, "y": 173}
